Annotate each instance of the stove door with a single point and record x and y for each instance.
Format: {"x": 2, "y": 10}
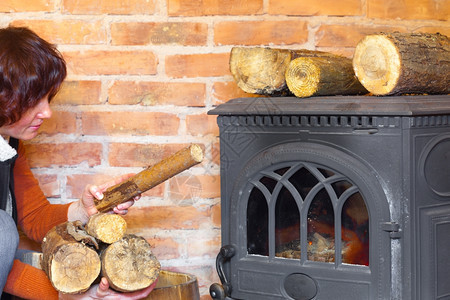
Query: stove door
{"x": 306, "y": 221}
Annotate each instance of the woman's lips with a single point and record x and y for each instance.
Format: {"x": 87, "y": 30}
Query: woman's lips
{"x": 35, "y": 127}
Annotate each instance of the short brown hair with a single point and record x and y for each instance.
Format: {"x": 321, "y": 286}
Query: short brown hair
{"x": 30, "y": 68}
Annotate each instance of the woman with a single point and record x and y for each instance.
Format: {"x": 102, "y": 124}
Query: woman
{"x": 31, "y": 72}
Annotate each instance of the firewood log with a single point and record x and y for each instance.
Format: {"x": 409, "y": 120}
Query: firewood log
{"x": 150, "y": 177}
{"x": 129, "y": 264}
{"x": 402, "y": 63}
{"x": 320, "y": 76}
{"x": 107, "y": 228}
{"x": 262, "y": 71}
{"x": 70, "y": 265}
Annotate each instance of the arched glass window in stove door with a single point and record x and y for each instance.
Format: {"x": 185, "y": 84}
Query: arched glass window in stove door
{"x": 307, "y": 212}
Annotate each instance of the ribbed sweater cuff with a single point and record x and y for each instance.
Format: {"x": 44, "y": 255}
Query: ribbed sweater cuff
{"x": 28, "y": 282}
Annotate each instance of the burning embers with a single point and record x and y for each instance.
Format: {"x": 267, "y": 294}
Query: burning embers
{"x": 313, "y": 208}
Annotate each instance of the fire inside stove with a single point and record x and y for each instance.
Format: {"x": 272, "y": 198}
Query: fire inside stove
{"x": 319, "y": 215}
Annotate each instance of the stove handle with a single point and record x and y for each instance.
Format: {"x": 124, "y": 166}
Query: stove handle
{"x": 216, "y": 290}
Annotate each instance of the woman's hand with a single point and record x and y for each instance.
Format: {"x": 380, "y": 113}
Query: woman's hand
{"x": 102, "y": 291}
{"x": 85, "y": 207}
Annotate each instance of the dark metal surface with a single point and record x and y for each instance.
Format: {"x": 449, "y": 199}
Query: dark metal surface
{"x": 396, "y": 150}
{"x": 342, "y": 105}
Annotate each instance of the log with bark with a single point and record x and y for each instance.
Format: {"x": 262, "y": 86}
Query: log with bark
{"x": 260, "y": 70}
{"x": 150, "y": 177}
{"x": 403, "y": 63}
{"x": 69, "y": 258}
{"x": 320, "y": 76}
{"x": 73, "y": 259}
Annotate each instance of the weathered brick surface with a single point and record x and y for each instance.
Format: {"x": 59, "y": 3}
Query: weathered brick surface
{"x": 128, "y": 7}
{"x": 197, "y": 65}
{"x": 202, "y": 125}
{"x": 66, "y": 154}
{"x": 60, "y": 122}
{"x": 224, "y": 91}
{"x": 49, "y": 184}
{"x": 260, "y": 33}
{"x": 204, "y": 8}
{"x": 409, "y": 9}
{"x": 83, "y": 92}
{"x": 157, "y": 93}
{"x": 140, "y": 33}
{"x": 67, "y": 31}
{"x": 10, "y": 6}
{"x": 129, "y": 123}
{"x": 316, "y": 8}
{"x": 126, "y": 62}
{"x": 348, "y": 35}
{"x": 142, "y": 75}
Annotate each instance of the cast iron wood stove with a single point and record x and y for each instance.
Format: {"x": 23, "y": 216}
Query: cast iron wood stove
{"x": 335, "y": 198}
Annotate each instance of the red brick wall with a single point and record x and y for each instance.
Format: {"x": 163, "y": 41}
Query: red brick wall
{"x": 143, "y": 74}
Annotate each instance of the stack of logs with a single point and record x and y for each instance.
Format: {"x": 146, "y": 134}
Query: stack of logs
{"x": 73, "y": 255}
{"x": 383, "y": 64}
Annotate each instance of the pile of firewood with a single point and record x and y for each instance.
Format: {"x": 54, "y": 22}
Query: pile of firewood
{"x": 383, "y": 64}
{"x": 75, "y": 256}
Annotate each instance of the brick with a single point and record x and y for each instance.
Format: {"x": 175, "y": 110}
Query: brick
{"x": 65, "y": 154}
{"x": 95, "y": 7}
{"x": 315, "y": 8}
{"x": 140, "y": 155}
{"x": 206, "y": 246}
{"x": 260, "y": 33}
{"x": 216, "y": 215}
{"x": 49, "y": 185}
{"x": 77, "y": 182}
{"x": 60, "y": 122}
{"x": 83, "y": 92}
{"x": 129, "y": 123}
{"x": 347, "y": 35}
{"x": 197, "y": 65}
{"x": 157, "y": 93}
{"x": 93, "y": 62}
{"x": 168, "y": 217}
{"x": 67, "y": 31}
{"x": 188, "y": 188}
{"x": 409, "y": 9}
{"x": 27, "y": 6}
{"x": 163, "y": 248}
{"x": 215, "y": 153}
{"x": 201, "y": 125}
{"x": 224, "y": 91}
{"x": 141, "y": 33}
{"x": 204, "y": 8}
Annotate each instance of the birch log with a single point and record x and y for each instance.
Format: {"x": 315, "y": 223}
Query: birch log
{"x": 108, "y": 228}
{"x": 70, "y": 265}
{"x": 129, "y": 264}
{"x": 403, "y": 63}
{"x": 259, "y": 70}
{"x": 320, "y": 76}
{"x": 150, "y": 177}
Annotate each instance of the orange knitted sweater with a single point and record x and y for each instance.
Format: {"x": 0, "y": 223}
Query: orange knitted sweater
{"x": 35, "y": 216}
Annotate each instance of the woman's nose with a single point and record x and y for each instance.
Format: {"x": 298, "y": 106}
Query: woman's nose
{"x": 45, "y": 111}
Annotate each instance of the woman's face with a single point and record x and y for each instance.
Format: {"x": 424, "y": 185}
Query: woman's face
{"x": 28, "y": 125}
